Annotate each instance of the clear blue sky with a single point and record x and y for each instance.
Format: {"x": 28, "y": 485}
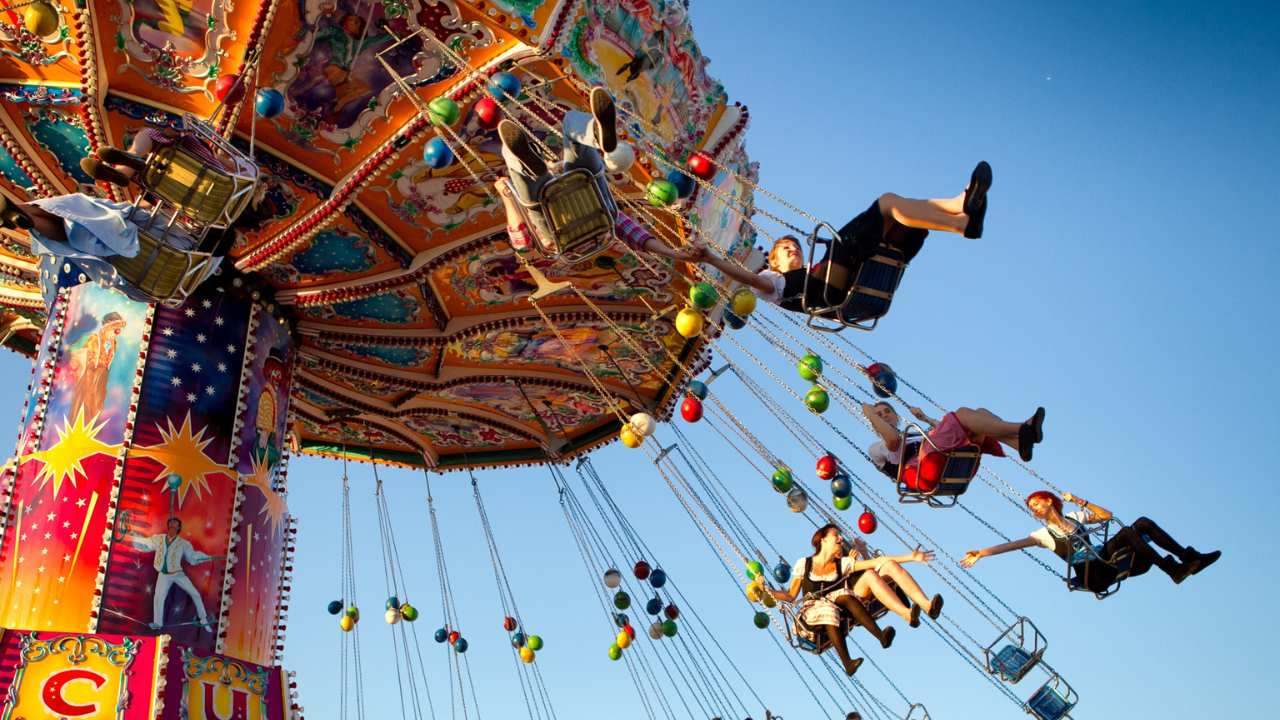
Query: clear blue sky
{"x": 1126, "y": 282}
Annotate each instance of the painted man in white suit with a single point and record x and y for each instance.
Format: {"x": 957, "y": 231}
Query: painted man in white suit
{"x": 171, "y": 550}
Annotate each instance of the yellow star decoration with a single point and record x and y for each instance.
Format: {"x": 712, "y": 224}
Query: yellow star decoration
{"x": 181, "y": 452}
{"x": 77, "y": 441}
{"x": 260, "y": 478}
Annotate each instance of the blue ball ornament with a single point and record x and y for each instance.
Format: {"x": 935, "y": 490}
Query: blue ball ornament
{"x": 518, "y": 640}
{"x": 460, "y": 645}
{"x": 654, "y": 606}
{"x": 174, "y": 481}
{"x": 393, "y": 603}
{"x": 442, "y": 635}
{"x": 840, "y": 486}
{"x": 504, "y": 85}
{"x": 698, "y": 389}
{"x": 657, "y": 578}
{"x": 884, "y": 380}
{"x": 437, "y": 153}
{"x": 684, "y": 184}
{"x": 268, "y": 103}
{"x": 782, "y": 572}
{"x": 621, "y": 619}
{"x": 335, "y": 607}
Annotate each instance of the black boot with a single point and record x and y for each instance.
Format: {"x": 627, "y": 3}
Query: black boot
{"x": 1198, "y": 561}
{"x": 1177, "y": 571}
{"x": 606, "y": 119}
{"x": 514, "y": 139}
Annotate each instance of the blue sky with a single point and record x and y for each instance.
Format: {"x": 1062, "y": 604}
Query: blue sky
{"x": 1126, "y": 282}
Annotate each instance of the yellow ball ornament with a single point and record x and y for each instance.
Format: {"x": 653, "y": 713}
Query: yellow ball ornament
{"x": 744, "y": 302}
{"x": 347, "y": 623}
{"x": 630, "y": 437}
{"x": 526, "y": 655}
{"x": 623, "y": 640}
{"x": 689, "y": 322}
{"x": 41, "y": 19}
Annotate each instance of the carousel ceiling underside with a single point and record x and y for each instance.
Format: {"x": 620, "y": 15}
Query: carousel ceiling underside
{"x": 416, "y": 337}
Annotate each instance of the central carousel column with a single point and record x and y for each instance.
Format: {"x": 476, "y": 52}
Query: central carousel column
{"x": 146, "y": 514}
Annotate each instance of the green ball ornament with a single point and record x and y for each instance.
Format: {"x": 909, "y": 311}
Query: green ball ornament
{"x": 353, "y": 612}
{"x": 761, "y": 620}
{"x": 661, "y": 193}
{"x": 621, "y": 600}
{"x": 669, "y": 628}
{"x": 842, "y": 503}
{"x": 443, "y": 111}
{"x": 615, "y": 652}
{"x": 754, "y": 568}
{"x": 817, "y": 399}
{"x": 534, "y": 642}
{"x": 408, "y": 612}
{"x": 782, "y": 480}
{"x": 703, "y": 295}
{"x": 810, "y": 367}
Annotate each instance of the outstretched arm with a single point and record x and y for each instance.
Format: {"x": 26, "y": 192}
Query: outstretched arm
{"x": 637, "y": 237}
{"x": 1097, "y": 513}
{"x": 142, "y": 542}
{"x": 920, "y": 415}
{"x": 972, "y": 557}
{"x": 733, "y": 270}
{"x": 195, "y": 557}
{"x": 888, "y": 434}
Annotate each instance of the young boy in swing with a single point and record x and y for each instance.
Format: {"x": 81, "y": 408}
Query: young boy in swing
{"x": 902, "y": 223}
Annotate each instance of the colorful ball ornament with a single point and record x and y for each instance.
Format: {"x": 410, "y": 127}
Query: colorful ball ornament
{"x": 655, "y": 630}
{"x": 743, "y": 303}
{"x": 733, "y": 321}
{"x": 657, "y": 578}
{"x": 810, "y": 367}
{"x": 929, "y": 473}
{"x": 441, "y": 635}
{"x": 437, "y": 154}
{"x": 526, "y": 655}
{"x": 621, "y": 619}
{"x": 408, "y": 612}
{"x": 669, "y": 628}
{"x": 661, "y": 193}
{"x": 621, "y": 600}
{"x": 754, "y": 569}
{"x": 701, "y": 166}
{"x": 703, "y": 295}
{"x": 353, "y": 612}
{"x": 671, "y": 611}
{"x": 623, "y": 640}
{"x": 817, "y": 399}
{"x": 884, "y": 380}
{"x": 535, "y": 642}
{"x": 797, "y": 500}
{"x": 40, "y": 19}
{"x": 642, "y": 570}
{"x": 689, "y": 322}
{"x": 460, "y": 645}
{"x": 346, "y": 623}
{"x": 519, "y": 640}
{"x": 488, "y": 114}
{"x": 508, "y": 623}
{"x": 698, "y": 389}
{"x": 841, "y": 487}
{"x": 842, "y": 503}
{"x": 683, "y": 183}
{"x": 228, "y": 89}
{"x": 630, "y": 437}
{"x": 335, "y": 607}
{"x": 867, "y": 522}
{"x": 654, "y": 606}
{"x": 629, "y": 630}
{"x": 691, "y": 409}
{"x": 827, "y": 467}
{"x": 615, "y": 652}
{"x": 393, "y": 603}
{"x": 782, "y": 480}
{"x": 761, "y": 619}
{"x": 782, "y": 572}
{"x": 392, "y": 616}
{"x": 268, "y": 103}
{"x": 454, "y": 637}
{"x": 504, "y": 85}
{"x": 174, "y": 481}
{"x": 643, "y": 424}
{"x": 443, "y": 111}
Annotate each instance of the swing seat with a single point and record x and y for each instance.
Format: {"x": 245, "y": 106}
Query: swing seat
{"x": 1049, "y": 703}
{"x": 163, "y": 272}
{"x": 833, "y": 293}
{"x": 1011, "y": 663}
{"x": 940, "y": 477}
{"x": 1089, "y": 571}
{"x": 1021, "y": 649}
{"x": 579, "y": 219}
{"x": 793, "y": 621}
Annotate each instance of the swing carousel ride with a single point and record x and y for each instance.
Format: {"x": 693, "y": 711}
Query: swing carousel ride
{"x": 363, "y": 301}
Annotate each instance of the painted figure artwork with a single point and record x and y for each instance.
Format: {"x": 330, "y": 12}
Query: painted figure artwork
{"x": 181, "y": 24}
{"x": 171, "y": 551}
{"x": 91, "y": 363}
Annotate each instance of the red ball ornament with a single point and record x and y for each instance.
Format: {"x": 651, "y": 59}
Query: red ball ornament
{"x": 488, "y": 114}
{"x": 867, "y": 522}
{"x": 228, "y": 89}
{"x": 453, "y": 637}
{"x": 691, "y": 409}
{"x": 930, "y": 472}
{"x": 873, "y": 369}
{"x": 827, "y": 467}
{"x": 508, "y": 623}
{"x": 642, "y": 570}
{"x": 629, "y": 630}
{"x": 701, "y": 166}
{"x": 672, "y": 612}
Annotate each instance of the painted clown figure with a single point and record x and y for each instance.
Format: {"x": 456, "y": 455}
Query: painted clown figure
{"x": 266, "y": 445}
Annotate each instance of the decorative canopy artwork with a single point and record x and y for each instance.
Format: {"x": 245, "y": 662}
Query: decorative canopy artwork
{"x": 416, "y": 340}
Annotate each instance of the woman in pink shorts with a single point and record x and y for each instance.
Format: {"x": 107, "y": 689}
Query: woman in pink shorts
{"x": 958, "y": 428}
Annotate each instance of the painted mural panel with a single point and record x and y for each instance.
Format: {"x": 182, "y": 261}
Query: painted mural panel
{"x": 203, "y": 686}
{"x": 68, "y": 676}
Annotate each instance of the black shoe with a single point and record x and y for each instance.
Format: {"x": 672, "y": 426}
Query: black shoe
{"x": 1037, "y": 424}
{"x": 1200, "y": 561}
{"x": 12, "y": 216}
{"x": 915, "y": 616}
{"x": 1177, "y": 571}
{"x": 514, "y": 139}
{"x": 852, "y": 666}
{"x": 886, "y": 637}
{"x": 935, "y": 607}
{"x": 100, "y": 170}
{"x": 975, "y": 200}
{"x": 116, "y": 156}
{"x": 1026, "y": 440}
{"x": 606, "y": 119}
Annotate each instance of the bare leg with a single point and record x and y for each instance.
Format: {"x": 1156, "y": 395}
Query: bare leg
{"x": 873, "y": 583}
{"x": 985, "y": 422}
{"x": 951, "y": 205}
{"x": 927, "y": 214}
{"x": 904, "y": 580}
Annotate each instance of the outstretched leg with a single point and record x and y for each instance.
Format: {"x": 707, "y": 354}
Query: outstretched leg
{"x": 908, "y": 584}
{"x": 837, "y": 641}
{"x": 876, "y": 585}
{"x": 25, "y": 216}
{"x": 859, "y": 613}
{"x": 926, "y": 214}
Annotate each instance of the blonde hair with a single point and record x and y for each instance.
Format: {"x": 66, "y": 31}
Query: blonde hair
{"x": 778, "y": 243}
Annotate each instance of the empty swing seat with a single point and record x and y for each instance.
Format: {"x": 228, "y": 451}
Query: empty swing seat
{"x": 161, "y": 271}
{"x": 1011, "y": 663}
{"x": 1049, "y": 704}
{"x": 1022, "y": 647}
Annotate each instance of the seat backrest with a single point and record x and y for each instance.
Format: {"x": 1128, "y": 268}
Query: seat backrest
{"x": 1011, "y": 662}
{"x": 872, "y": 291}
{"x": 1048, "y": 704}
{"x": 200, "y": 192}
{"x": 576, "y": 213}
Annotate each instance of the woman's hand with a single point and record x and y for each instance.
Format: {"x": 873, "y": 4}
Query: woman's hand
{"x": 970, "y": 559}
{"x": 918, "y": 414}
{"x": 921, "y": 556}
{"x": 1068, "y": 497}
{"x": 779, "y": 595}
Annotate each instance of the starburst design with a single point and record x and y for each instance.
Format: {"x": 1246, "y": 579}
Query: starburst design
{"x": 274, "y": 506}
{"x": 181, "y": 452}
{"x": 64, "y": 460}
